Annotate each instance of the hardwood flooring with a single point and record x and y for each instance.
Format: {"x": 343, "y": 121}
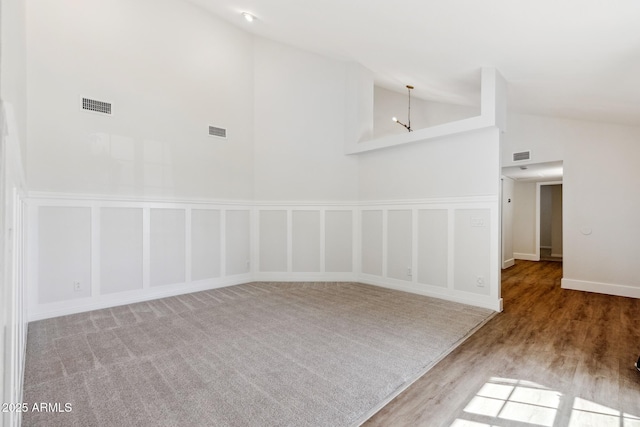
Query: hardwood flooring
{"x": 553, "y": 357}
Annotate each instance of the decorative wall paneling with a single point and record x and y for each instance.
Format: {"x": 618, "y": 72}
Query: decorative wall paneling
{"x": 95, "y": 253}
{"x": 89, "y": 253}
{"x": 13, "y": 332}
{"x": 433, "y": 247}
{"x": 306, "y": 242}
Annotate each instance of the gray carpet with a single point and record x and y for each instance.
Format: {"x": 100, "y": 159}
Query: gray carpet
{"x": 260, "y": 354}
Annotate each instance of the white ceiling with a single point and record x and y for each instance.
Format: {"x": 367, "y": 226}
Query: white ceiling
{"x": 568, "y": 58}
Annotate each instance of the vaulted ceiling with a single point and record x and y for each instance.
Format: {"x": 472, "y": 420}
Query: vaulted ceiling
{"x": 570, "y": 58}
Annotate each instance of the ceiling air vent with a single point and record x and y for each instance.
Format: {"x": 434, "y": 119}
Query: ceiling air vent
{"x": 95, "y": 106}
{"x": 523, "y": 155}
{"x": 216, "y": 131}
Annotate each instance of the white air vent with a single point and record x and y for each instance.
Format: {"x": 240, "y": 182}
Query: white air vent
{"x": 96, "y": 106}
{"x": 523, "y": 155}
{"x": 216, "y": 131}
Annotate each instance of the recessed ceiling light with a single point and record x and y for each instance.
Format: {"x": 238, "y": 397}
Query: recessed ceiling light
{"x": 249, "y": 17}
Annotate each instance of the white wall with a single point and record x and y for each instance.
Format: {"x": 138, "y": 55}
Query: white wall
{"x": 170, "y": 70}
{"x": 600, "y": 199}
{"x": 388, "y": 104}
{"x": 459, "y": 165}
{"x": 300, "y": 126}
{"x": 451, "y": 183}
{"x": 13, "y": 76}
{"x": 524, "y": 221}
{"x": 13, "y": 116}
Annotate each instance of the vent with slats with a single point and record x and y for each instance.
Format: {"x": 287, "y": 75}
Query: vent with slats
{"x": 96, "y": 106}
{"x": 523, "y": 155}
{"x": 216, "y": 131}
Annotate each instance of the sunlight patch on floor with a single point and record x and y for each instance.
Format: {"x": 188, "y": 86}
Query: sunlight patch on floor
{"x": 503, "y": 401}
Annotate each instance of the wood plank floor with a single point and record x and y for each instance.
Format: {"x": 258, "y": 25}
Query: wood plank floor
{"x": 553, "y": 357}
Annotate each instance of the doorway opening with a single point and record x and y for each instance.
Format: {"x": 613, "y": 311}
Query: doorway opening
{"x": 532, "y": 212}
{"x": 549, "y": 221}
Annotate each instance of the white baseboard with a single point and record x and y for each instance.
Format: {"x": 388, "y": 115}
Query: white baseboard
{"x": 556, "y": 255}
{"x": 601, "y": 288}
{"x": 483, "y": 301}
{"x": 508, "y": 263}
{"x": 46, "y": 311}
{"x": 526, "y": 257}
{"x": 304, "y": 277}
{"x": 64, "y": 308}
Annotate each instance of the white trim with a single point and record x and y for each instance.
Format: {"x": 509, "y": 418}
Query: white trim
{"x": 601, "y": 288}
{"x": 275, "y": 276}
{"x": 64, "y": 308}
{"x": 451, "y": 248}
{"x": 146, "y": 248}
{"x": 526, "y": 257}
{"x": 95, "y": 251}
{"x": 556, "y": 255}
{"x": 187, "y": 244}
{"x": 106, "y": 198}
{"x": 83, "y": 199}
{"x": 414, "y": 245}
{"x": 147, "y": 292}
{"x": 484, "y": 301}
{"x": 13, "y": 258}
{"x": 431, "y": 201}
{"x": 508, "y": 263}
{"x": 223, "y": 242}
{"x": 322, "y": 238}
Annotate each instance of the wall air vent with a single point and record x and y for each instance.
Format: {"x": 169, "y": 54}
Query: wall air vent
{"x": 523, "y": 155}
{"x": 218, "y": 132}
{"x": 95, "y": 106}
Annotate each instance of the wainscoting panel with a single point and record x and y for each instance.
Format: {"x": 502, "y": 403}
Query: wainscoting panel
{"x": 433, "y": 247}
{"x": 120, "y": 249}
{"x": 206, "y": 253}
{"x": 372, "y": 242}
{"x": 445, "y": 240}
{"x": 13, "y": 262}
{"x": 64, "y": 253}
{"x": 273, "y": 240}
{"x": 125, "y": 251}
{"x": 306, "y": 241}
{"x": 238, "y": 242}
{"x": 399, "y": 244}
{"x": 339, "y": 242}
{"x": 472, "y": 263}
{"x": 167, "y": 246}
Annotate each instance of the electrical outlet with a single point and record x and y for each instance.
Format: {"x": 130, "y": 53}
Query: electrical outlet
{"x": 480, "y": 282}
{"x": 477, "y": 222}
{"x": 77, "y": 287}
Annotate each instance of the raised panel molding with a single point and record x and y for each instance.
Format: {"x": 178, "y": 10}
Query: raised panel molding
{"x": 243, "y": 236}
